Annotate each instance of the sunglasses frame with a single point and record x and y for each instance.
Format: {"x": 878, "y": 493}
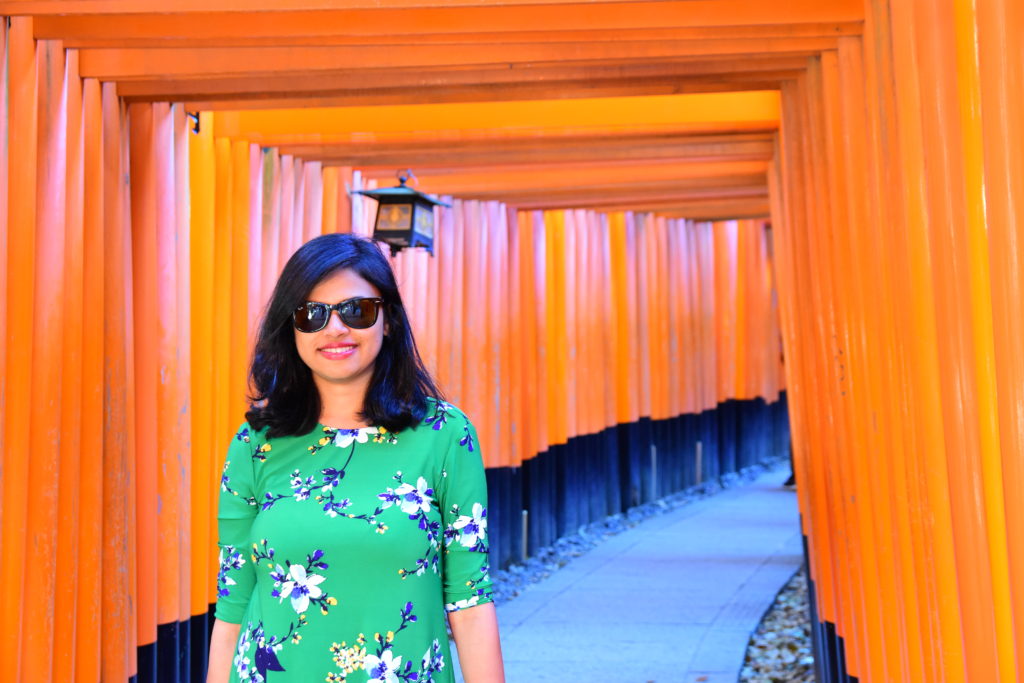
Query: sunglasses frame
{"x": 331, "y": 308}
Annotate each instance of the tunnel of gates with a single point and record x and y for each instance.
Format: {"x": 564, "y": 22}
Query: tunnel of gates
{"x": 606, "y": 359}
{"x": 609, "y": 354}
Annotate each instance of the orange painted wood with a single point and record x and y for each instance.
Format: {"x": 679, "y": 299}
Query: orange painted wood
{"x": 345, "y": 183}
{"x": 69, "y": 463}
{"x": 957, "y": 372}
{"x": 182, "y": 419}
{"x": 4, "y": 99}
{"x": 523, "y": 336}
{"x": 475, "y": 358}
{"x": 498, "y": 334}
{"x": 643, "y": 296}
{"x": 146, "y": 334}
{"x": 329, "y": 203}
{"x": 169, "y": 403}
{"x": 556, "y": 323}
{"x": 119, "y": 466}
{"x": 554, "y": 151}
{"x": 220, "y": 297}
{"x": 381, "y": 26}
{"x": 416, "y": 15}
{"x": 20, "y": 258}
{"x": 1001, "y": 88}
{"x": 312, "y": 216}
{"x": 619, "y": 328}
{"x": 88, "y": 663}
{"x": 257, "y": 288}
{"x": 44, "y": 406}
{"x": 736, "y": 112}
{"x": 637, "y": 288}
{"x": 271, "y": 216}
{"x": 204, "y": 472}
{"x": 135, "y": 63}
{"x": 539, "y": 289}
{"x": 445, "y": 357}
{"x": 803, "y": 386}
{"x": 534, "y": 181}
{"x": 237, "y": 264}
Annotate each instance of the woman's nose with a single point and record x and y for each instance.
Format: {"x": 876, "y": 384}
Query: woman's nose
{"x": 335, "y": 324}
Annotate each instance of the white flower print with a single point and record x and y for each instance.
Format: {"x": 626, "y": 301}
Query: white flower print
{"x": 461, "y": 604}
{"x": 241, "y": 662}
{"x": 384, "y": 668}
{"x": 343, "y": 438}
{"x": 415, "y": 499}
{"x": 473, "y": 529}
{"x": 301, "y": 587}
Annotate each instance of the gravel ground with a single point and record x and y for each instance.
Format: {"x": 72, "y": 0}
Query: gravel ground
{"x": 511, "y": 582}
{"x": 780, "y": 649}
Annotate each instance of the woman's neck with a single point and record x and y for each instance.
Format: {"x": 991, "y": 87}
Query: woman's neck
{"x": 341, "y": 403}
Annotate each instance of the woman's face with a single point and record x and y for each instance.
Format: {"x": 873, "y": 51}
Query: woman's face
{"x": 339, "y": 354}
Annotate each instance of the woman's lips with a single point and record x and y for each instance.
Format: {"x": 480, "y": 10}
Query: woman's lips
{"x": 338, "y": 352}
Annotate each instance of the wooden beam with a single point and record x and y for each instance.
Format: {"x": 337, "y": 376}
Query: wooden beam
{"x": 486, "y": 93}
{"x": 414, "y": 16}
{"x": 541, "y": 182}
{"x": 732, "y": 66}
{"x": 609, "y": 168}
{"x": 135, "y": 63}
{"x": 376, "y": 87}
{"x": 585, "y": 150}
{"x": 489, "y": 120}
{"x": 213, "y": 29}
{"x": 645, "y": 200}
{"x": 730, "y": 209}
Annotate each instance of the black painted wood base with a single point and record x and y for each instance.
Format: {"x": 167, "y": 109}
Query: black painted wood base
{"x": 179, "y": 653}
{"x": 560, "y": 490}
{"x": 829, "y": 647}
{"x": 594, "y": 476}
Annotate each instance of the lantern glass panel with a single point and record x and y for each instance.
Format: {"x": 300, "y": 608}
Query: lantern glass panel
{"x": 394, "y": 217}
{"x": 425, "y": 220}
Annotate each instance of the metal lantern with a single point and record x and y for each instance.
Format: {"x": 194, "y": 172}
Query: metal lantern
{"x": 405, "y": 217}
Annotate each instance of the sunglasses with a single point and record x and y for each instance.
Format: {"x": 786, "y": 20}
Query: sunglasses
{"x": 358, "y": 313}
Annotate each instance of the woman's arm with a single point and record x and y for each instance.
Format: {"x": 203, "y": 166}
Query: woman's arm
{"x": 476, "y": 637}
{"x": 222, "y": 646}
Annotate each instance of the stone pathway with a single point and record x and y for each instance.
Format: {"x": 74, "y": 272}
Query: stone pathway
{"x": 673, "y": 600}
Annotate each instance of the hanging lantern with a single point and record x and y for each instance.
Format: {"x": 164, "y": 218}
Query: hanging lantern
{"x": 405, "y": 217}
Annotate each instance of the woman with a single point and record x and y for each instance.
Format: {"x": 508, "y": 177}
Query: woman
{"x": 353, "y": 511}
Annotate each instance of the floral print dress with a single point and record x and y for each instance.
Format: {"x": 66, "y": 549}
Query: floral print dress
{"x": 342, "y": 550}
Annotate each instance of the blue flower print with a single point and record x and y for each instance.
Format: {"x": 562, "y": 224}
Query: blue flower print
{"x": 298, "y": 582}
{"x": 467, "y": 438}
{"x": 230, "y": 559}
{"x": 439, "y": 419}
{"x": 382, "y": 666}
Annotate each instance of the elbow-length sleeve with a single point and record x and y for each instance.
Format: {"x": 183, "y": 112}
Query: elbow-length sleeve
{"x": 237, "y": 508}
{"x": 464, "y": 515}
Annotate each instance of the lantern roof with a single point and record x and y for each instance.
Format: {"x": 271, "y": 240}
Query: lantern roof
{"x": 400, "y": 192}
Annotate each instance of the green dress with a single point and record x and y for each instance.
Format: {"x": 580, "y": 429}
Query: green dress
{"x": 341, "y": 550}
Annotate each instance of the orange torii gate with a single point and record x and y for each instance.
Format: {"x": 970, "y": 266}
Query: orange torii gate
{"x": 881, "y": 137}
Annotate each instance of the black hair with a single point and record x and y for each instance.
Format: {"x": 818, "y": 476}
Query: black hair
{"x": 284, "y": 397}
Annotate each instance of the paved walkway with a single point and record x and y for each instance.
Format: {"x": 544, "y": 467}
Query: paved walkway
{"x": 673, "y": 600}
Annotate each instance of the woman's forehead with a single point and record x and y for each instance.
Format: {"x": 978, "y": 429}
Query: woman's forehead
{"x": 340, "y": 285}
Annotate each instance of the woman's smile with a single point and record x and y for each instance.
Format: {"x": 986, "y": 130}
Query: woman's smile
{"x": 338, "y": 351}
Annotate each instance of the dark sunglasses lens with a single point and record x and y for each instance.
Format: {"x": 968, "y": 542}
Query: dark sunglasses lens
{"x": 360, "y": 313}
{"x": 311, "y": 317}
